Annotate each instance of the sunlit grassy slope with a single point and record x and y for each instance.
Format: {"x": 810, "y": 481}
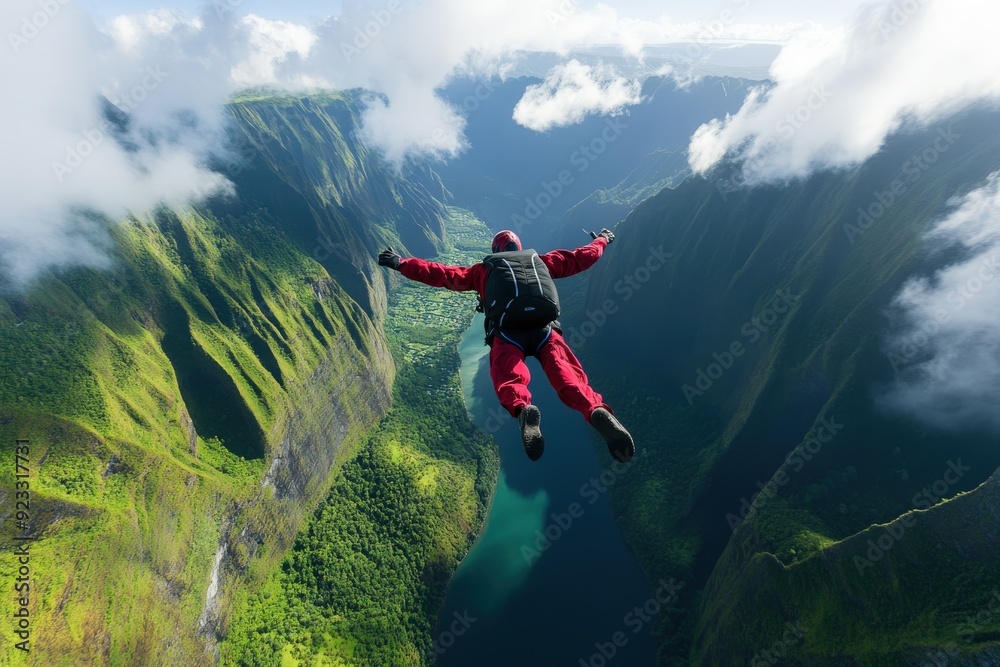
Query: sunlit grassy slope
{"x": 150, "y": 397}
{"x": 187, "y": 406}
{"x": 366, "y": 576}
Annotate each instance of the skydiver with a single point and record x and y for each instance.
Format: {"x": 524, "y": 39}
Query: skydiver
{"x": 518, "y": 295}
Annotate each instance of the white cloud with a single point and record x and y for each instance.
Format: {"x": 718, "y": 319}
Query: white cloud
{"x": 837, "y": 95}
{"x": 270, "y": 43}
{"x": 947, "y": 348}
{"x": 129, "y": 31}
{"x": 573, "y": 91}
{"x": 725, "y": 28}
{"x": 61, "y": 166}
{"x": 408, "y": 53}
{"x": 173, "y": 73}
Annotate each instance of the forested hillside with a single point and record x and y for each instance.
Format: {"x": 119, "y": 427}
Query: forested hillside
{"x": 188, "y": 407}
{"x": 754, "y": 357}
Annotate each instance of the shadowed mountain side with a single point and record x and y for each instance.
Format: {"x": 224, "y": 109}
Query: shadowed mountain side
{"x": 301, "y": 159}
{"x": 768, "y": 318}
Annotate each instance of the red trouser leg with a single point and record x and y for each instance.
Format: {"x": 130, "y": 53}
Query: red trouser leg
{"x": 510, "y": 375}
{"x": 567, "y": 377}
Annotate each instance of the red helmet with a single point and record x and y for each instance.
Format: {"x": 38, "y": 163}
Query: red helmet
{"x": 505, "y": 241}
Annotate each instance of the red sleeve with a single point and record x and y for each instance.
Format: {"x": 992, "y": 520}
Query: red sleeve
{"x": 565, "y": 263}
{"x": 455, "y": 278}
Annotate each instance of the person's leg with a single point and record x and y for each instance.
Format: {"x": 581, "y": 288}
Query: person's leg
{"x": 567, "y": 376}
{"x": 510, "y": 376}
{"x": 510, "y": 380}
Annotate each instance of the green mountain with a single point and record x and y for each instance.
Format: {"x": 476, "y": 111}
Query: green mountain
{"x": 245, "y": 443}
{"x": 754, "y": 355}
{"x": 660, "y": 169}
{"x": 188, "y": 409}
{"x": 366, "y": 576}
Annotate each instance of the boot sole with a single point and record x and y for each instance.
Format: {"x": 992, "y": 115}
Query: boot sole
{"x": 620, "y": 443}
{"x": 531, "y": 432}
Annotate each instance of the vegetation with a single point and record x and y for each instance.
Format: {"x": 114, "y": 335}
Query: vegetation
{"x": 734, "y": 252}
{"x": 214, "y": 412}
{"x": 187, "y": 407}
{"x": 97, "y": 377}
{"x": 365, "y": 578}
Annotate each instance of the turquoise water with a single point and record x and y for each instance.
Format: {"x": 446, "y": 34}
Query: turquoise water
{"x": 526, "y": 599}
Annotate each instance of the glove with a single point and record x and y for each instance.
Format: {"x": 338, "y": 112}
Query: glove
{"x": 608, "y": 235}
{"x": 388, "y": 257}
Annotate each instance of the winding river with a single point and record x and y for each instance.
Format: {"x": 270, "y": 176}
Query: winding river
{"x": 550, "y": 581}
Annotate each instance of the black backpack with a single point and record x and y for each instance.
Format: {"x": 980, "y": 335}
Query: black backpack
{"x": 520, "y": 293}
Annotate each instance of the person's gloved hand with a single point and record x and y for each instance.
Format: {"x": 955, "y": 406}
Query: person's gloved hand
{"x": 608, "y": 235}
{"x": 388, "y": 257}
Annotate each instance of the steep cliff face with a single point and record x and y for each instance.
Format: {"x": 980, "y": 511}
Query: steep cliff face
{"x": 186, "y": 408}
{"x": 366, "y": 576}
{"x": 301, "y": 157}
{"x": 755, "y": 322}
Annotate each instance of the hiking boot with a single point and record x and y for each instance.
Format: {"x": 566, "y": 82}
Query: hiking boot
{"x": 529, "y": 419}
{"x": 619, "y": 441}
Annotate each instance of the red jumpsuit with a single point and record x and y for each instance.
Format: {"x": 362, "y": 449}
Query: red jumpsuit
{"x": 507, "y": 367}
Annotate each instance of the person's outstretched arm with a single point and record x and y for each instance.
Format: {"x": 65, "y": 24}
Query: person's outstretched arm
{"x": 565, "y": 263}
{"x": 455, "y": 278}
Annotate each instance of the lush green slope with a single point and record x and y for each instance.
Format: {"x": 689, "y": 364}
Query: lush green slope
{"x": 720, "y": 398}
{"x": 921, "y": 590}
{"x": 302, "y": 157}
{"x": 186, "y": 408}
{"x": 150, "y": 398}
{"x": 365, "y": 578}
